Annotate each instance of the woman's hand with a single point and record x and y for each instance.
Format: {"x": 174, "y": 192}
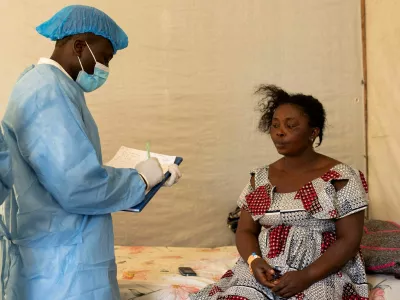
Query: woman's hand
{"x": 292, "y": 283}
{"x": 263, "y": 272}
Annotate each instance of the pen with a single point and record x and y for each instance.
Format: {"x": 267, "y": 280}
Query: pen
{"x": 148, "y": 149}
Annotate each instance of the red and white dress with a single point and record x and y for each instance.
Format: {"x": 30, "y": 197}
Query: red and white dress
{"x": 297, "y": 228}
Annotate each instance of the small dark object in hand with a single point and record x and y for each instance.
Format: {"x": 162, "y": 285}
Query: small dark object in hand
{"x": 277, "y": 274}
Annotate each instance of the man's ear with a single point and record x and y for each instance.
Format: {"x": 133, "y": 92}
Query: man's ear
{"x": 79, "y": 45}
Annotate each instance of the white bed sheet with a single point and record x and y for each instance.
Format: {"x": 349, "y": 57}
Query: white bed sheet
{"x": 151, "y": 273}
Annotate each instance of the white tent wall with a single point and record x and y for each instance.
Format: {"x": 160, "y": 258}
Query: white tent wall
{"x": 186, "y": 83}
{"x": 383, "y": 61}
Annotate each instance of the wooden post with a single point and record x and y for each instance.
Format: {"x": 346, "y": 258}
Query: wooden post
{"x": 364, "y": 82}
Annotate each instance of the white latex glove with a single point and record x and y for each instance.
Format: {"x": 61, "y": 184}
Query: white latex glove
{"x": 175, "y": 175}
{"x": 151, "y": 172}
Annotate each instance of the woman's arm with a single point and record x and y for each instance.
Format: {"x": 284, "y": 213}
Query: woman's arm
{"x": 348, "y": 238}
{"x": 247, "y": 244}
{"x": 247, "y": 235}
{"x": 247, "y": 232}
{"x": 349, "y": 230}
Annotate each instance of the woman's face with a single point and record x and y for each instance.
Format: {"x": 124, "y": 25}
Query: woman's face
{"x": 290, "y": 130}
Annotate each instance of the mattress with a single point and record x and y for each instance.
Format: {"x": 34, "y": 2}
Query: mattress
{"x": 151, "y": 273}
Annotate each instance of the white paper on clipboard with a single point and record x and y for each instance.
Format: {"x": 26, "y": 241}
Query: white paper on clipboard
{"x": 129, "y": 158}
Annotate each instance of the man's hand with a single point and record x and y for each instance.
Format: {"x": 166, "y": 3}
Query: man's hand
{"x": 151, "y": 171}
{"x": 175, "y": 175}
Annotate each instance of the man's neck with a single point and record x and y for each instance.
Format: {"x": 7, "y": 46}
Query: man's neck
{"x": 59, "y": 58}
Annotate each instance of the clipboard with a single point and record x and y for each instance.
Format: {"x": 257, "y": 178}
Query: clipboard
{"x": 139, "y": 207}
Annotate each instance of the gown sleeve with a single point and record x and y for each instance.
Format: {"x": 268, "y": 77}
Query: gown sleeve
{"x": 60, "y": 153}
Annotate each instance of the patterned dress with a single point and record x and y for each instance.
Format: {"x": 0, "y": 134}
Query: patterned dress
{"x": 297, "y": 228}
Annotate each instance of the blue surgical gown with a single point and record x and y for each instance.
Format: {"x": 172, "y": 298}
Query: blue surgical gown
{"x": 61, "y": 220}
{"x": 6, "y": 195}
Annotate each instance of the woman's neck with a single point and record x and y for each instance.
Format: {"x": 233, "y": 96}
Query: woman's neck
{"x": 305, "y": 161}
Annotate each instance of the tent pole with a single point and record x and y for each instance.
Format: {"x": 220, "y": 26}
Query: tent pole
{"x": 365, "y": 85}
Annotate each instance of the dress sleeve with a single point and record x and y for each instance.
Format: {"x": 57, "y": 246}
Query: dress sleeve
{"x": 256, "y": 201}
{"x": 322, "y": 200}
{"x": 353, "y": 197}
{"x": 242, "y": 203}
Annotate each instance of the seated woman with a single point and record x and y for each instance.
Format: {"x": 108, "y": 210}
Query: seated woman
{"x": 301, "y": 217}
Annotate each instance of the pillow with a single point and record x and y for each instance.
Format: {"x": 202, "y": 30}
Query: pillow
{"x": 380, "y": 247}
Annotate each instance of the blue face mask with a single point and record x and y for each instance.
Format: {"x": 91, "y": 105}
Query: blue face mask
{"x": 89, "y": 82}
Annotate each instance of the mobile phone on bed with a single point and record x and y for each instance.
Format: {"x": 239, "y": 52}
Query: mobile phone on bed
{"x": 186, "y": 271}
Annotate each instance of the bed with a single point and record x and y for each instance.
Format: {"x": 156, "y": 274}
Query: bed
{"x": 151, "y": 273}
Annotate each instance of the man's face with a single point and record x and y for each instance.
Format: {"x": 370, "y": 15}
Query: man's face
{"x": 102, "y": 50}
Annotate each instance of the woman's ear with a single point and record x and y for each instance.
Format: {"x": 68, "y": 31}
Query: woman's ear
{"x": 315, "y": 132}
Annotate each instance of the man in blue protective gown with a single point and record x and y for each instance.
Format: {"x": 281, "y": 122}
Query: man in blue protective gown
{"x": 61, "y": 220}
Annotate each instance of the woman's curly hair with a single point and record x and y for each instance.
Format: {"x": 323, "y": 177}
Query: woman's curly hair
{"x": 272, "y": 97}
